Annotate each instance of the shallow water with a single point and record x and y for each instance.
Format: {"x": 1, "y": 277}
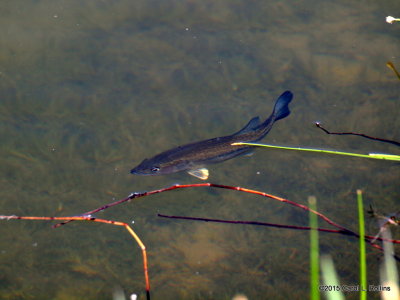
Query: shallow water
{"x": 90, "y": 88}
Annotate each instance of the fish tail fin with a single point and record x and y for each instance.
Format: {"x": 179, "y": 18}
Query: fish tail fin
{"x": 281, "y": 109}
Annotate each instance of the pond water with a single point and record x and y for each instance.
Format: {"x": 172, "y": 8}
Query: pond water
{"x": 89, "y": 88}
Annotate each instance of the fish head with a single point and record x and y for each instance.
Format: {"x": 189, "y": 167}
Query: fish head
{"x": 145, "y": 168}
{"x": 155, "y": 166}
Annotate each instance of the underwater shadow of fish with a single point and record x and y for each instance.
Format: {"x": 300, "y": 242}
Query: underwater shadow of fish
{"x": 195, "y": 156}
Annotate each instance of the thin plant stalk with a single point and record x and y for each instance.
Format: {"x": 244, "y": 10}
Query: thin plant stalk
{"x": 213, "y": 185}
{"x": 221, "y": 186}
{"x": 283, "y": 226}
{"x": 318, "y": 124}
{"x": 363, "y": 259}
{"x": 391, "y": 157}
{"x": 391, "y": 66}
{"x": 92, "y": 219}
{"x": 314, "y": 251}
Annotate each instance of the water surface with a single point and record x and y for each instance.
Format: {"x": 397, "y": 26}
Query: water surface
{"x": 89, "y": 89}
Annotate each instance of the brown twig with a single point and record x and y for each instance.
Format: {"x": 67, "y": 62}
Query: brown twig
{"x": 318, "y": 124}
{"x": 92, "y": 219}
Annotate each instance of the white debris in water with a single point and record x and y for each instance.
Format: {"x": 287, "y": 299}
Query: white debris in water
{"x": 133, "y": 297}
{"x": 240, "y": 297}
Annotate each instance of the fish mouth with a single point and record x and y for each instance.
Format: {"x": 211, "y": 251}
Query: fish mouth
{"x": 138, "y": 172}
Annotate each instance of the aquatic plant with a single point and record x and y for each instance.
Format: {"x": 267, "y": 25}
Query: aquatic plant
{"x": 88, "y": 216}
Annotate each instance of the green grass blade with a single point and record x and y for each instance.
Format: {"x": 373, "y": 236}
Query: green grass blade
{"x": 388, "y": 272}
{"x": 370, "y": 155}
{"x": 363, "y": 259}
{"x": 330, "y": 279}
{"x": 314, "y": 251}
{"x": 384, "y": 156}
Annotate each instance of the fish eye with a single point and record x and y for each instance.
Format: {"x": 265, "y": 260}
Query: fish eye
{"x": 155, "y": 169}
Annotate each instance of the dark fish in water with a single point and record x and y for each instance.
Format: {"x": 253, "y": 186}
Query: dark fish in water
{"x": 193, "y": 157}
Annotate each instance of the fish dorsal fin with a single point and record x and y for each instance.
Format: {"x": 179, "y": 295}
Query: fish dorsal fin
{"x": 201, "y": 173}
{"x": 253, "y": 123}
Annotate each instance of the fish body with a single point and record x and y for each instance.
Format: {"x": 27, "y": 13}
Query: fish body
{"x": 195, "y": 156}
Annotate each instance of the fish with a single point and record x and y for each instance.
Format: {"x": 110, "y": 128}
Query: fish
{"x": 194, "y": 157}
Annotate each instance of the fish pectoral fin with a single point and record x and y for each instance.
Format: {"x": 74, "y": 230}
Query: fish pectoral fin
{"x": 201, "y": 173}
{"x": 250, "y": 153}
